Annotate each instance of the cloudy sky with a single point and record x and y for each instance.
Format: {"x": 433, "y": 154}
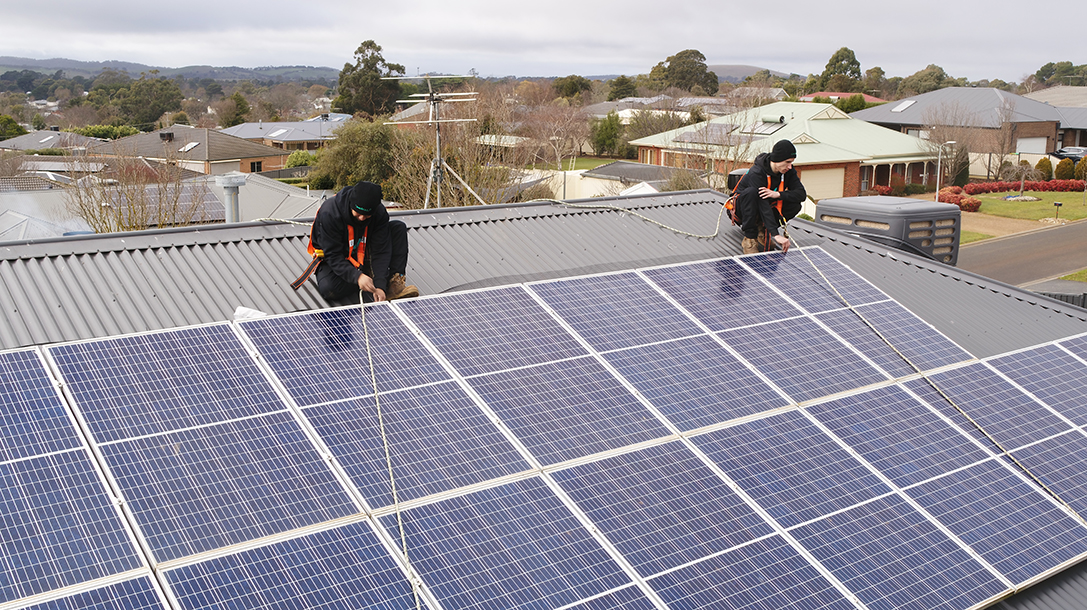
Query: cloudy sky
{"x": 967, "y": 38}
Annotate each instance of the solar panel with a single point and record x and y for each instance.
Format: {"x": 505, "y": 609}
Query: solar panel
{"x": 322, "y": 357}
{"x": 790, "y": 467}
{"x": 814, "y": 279}
{"x": 345, "y": 567}
{"x": 765, "y": 574}
{"x": 531, "y": 549}
{"x": 897, "y": 434}
{"x": 135, "y": 594}
{"x": 439, "y": 439}
{"x": 616, "y": 311}
{"x": 1007, "y": 415}
{"x": 205, "y": 488}
{"x": 492, "y": 330}
{"x": 891, "y": 557}
{"x": 1051, "y": 374}
{"x": 1060, "y": 463}
{"x": 568, "y": 409}
{"x": 916, "y": 345}
{"x": 722, "y": 294}
{"x": 1004, "y": 519}
{"x": 627, "y": 598}
{"x": 149, "y": 384}
{"x": 802, "y": 359}
{"x": 695, "y": 382}
{"x": 661, "y": 506}
{"x": 33, "y": 420}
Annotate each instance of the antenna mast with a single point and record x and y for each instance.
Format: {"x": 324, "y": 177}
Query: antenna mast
{"x": 438, "y": 165}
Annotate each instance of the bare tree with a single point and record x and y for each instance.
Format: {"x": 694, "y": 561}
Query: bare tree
{"x": 561, "y": 128}
{"x": 11, "y": 163}
{"x": 952, "y": 122}
{"x": 128, "y": 193}
{"x": 999, "y": 143}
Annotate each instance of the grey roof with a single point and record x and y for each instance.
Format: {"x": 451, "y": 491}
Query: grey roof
{"x": 1073, "y": 118}
{"x": 411, "y": 112}
{"x": 1061, "y": 96}
{"x": 38, "y": 140}
{"x": 26, "y": 182}
{"x": 297, "y": 131}
{"x": 627, "y": 103}
{"x": 629, "y": 172}
{"x": 207, "y": 145}
{"x": 262, "y": 197}
{"x": 982, "y": 104}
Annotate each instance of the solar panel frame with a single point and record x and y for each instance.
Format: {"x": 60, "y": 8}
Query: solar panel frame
{"x": 1051, "y": 374}
{"x": 1058, "y": 462}
{"x": 139, "y": 593}
{"x": 807, "y": 285}
{"x": 33, "y": 418}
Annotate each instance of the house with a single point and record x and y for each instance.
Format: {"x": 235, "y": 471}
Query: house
{"x": 618, "y": 176}
{"x": 1061, "y": 96}
{"x": 601, "y": 110}
{"x": 39, "y": 140}
{"x": 310, "y": 134}
{"x": 837, "y": 155}
{"x": 978, "y": 532}
{"x": 834, "y": 96}
{"x": 207, "y": 151}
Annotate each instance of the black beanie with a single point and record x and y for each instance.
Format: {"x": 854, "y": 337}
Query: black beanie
{"x": 783, "y": 150}
{"x": 364, "y": 197}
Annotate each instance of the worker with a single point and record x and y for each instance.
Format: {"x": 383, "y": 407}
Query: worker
{"x": 357, "y": 250}
{"x": 769, "y": 195}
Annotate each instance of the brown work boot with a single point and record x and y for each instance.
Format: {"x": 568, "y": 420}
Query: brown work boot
{"x": 397, "y": 289}
{"x": 751, "y": 246}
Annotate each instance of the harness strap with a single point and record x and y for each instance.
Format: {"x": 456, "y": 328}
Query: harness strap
{"x": 356, "y": 253}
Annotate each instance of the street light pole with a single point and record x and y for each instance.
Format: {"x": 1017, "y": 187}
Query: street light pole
{"x": 939, "y": 153}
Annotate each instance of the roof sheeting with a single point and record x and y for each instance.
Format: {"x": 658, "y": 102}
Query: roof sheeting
{"x": 297, "y": 131}
{"x": 210, "y": 145}
{"x": 983, "y": 107}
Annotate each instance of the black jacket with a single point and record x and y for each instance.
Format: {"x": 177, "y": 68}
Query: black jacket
{"x": 330, "y": 234}
{"x": 757, "y": 212}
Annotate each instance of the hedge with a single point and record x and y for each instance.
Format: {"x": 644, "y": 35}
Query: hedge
{"x": 1055, "y": 186}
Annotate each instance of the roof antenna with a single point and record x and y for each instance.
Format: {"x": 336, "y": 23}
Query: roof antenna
{"x": 437, "y": 165}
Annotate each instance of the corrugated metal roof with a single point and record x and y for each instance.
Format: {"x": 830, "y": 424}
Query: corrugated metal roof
{"x": 1061, "y": 95}
{"x": 210, "y": 145}
{"x": 982, "y": 105}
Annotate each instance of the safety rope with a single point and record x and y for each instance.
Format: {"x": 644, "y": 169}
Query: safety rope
{"x": 582, "y": 206}
{"x": 388, "y": 456}
{"x": 1004, "y": 451}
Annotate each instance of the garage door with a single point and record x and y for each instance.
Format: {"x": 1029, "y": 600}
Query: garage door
{"x": 822, "y": 184}
{"x": 1031, "y": 145}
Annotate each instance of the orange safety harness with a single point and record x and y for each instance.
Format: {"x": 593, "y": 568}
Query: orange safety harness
{"x": 734, "y": 210}
{"x": 356, "y": 253}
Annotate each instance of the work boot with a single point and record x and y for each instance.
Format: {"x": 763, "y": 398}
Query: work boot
{"x": 751, "y": 246}
{"x": 397, "y": 289}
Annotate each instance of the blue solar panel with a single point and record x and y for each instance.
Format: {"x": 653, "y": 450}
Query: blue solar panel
{"x": 766, "y": 574}
{"x": 919, "y": 347}
{"x": 136, "y": 594}
{"x": 628, "y": 598}
{"x": 1006, "y": 414}
{"x": 814, "y": 279}
{"x": 58, "y": 526}
{"x": 802, "y": 359}
{"x": 33, "y": 420}
{"x": 616, "y": 311}
{"x": 1060, "y": 463}
{"x": 1007, "y": 521}
{"x": 439, "y": 440}
{"x": 206, "y": 488}
{"x": 722, "y": 294}
{"x": 493, "y": 330}
{"x": 790, "y": 467}
{"x": 898, "y": 435}
{"x": 1051, "y": 374}
{"x": 891, "y": 557}
{"x": 568, "y": 409}
{"x": 148, "y": 384}
{"x": 346, "y": 567}
{"x": 1076, "y": 345}
{"x": 514, "y": 546}
{"x": 322, "y": 357}
{"x": 661, "y": 507}
{"x": 695, "y": 382}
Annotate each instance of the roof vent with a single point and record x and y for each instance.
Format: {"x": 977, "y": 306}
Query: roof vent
{"x": 166, "y": 136}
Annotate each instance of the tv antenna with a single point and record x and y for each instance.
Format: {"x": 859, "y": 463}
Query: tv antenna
{"x": 438, "y": 165}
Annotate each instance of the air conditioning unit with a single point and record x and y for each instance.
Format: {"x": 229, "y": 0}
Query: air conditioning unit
{"x": 166, "y": 136}
{"x": 925, "y": 228}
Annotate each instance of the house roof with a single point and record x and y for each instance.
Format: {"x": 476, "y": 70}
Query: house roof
{"x": 629, "y": 172}
{"x": 1061, "y": 96}
{"x": 821, "y": 133}
{"x": 37, "y": 140}
{"x": 837, "y": 95}
{"x": 982, "y": 105}
{"x": 627, "y": 103}
{"x": 25, "y": 183}
{"x": 1073, "y": 118}
{"x": 294, "y": 131}
{"x": 192, "y": 143}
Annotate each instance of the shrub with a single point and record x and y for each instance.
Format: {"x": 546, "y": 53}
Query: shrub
{"x": 882, "y": 190}
{"x": 898, "y": 185}
{"x": 915, "y": 189}
{"x": 970, "y": 204}
{"x": 321, "y": 181}
{"x": 1081, "y": 169}
{"x": 978, "y": 188}
{"x": 1045, "y": 168}
{"x": 301, "y": 158}
{"x": 1065, "y": 170}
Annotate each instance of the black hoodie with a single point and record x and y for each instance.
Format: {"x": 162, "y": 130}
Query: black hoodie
{"x": 330, "y": 234}
{"x": 755, "y": 210}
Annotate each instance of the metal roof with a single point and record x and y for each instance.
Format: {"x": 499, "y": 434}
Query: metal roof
{"x": 296, "y": 131}
{"x": 1061, "y": 96}
{"x": 38, "y": 140}
{"x": 199, "y": 145}
{"x": 1073, "y": 118}
{"x": 983, "y": 105}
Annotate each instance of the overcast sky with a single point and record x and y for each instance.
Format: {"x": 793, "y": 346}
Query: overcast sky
{"x": 967, "y": 38}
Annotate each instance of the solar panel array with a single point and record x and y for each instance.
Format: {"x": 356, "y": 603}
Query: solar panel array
{"x": 724, "y": 434}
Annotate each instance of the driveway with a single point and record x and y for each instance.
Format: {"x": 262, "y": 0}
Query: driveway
{"x": 1026, "y": 252}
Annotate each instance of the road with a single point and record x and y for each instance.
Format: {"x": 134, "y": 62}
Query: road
{"x": 1026, "y": 258}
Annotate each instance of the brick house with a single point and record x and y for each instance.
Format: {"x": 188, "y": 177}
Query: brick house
{"x": 207, "y": 151}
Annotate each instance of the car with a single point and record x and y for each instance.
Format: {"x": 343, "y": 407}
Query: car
{"x": 1074, "y": 153}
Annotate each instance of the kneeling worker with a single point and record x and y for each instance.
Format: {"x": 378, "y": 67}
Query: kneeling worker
{"x": 769, "y": 195}
{"x": 356, "y": 247}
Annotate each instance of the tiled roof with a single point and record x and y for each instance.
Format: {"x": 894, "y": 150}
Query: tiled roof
{"x": 191, "y": 143}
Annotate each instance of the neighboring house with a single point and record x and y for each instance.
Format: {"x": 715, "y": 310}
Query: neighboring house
{"x": 1061, "y": 96}
{"x": 602, "y": 109}
{"x": 40, "y": 140}
{"x": 711, "y": 106}
{"x": 618, "y": 176}
{"x": 834, "y": 96}
{"x": 1073, "y": 127}
{"x": 414, "y": 112}
{"x": 837, "y": 155}
{"x": 207, "y": 151}
{"x": 310, "y": 134}
{"x": 758, "y": 95}
{"x": 940, "y": 507}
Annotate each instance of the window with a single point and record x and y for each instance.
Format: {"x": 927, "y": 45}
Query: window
{"x": 255, "y": 166}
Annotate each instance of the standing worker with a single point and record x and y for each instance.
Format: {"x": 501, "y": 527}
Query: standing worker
{"x": 769, "y": 195}
{"x": 356, "y": 247}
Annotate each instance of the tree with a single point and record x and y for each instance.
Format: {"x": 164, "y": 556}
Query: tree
{"x": 361, "y": 88}
{"x": 361, "y": 151}
{"x": 301, "y": 158}
{"x": 606, "y": 134}
{"x": 147, "y": 99}
{"x": 852, "y": 103}
{"x": 1081, "y": 169}
{"x": 571, "y": 86}
{"x": 9, "y": 128}
{"x": 686, "y": 70}
{"x": 952, "y": 122}
{"x": 931, "y": 78}
{"x": 843, "y": 63}
{"x": 232, "y": 110}
{"x": 621, "y": 87}
{"x": 1065, "y": 170}
{"x": 1045, "y": 168}
{"x": 875, "y": 81}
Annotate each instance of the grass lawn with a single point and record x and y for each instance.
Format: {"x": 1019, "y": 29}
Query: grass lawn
{"x": 579, "y": 163}
{"x": 1079, "y": 276}
{"x": 1073, "y": 207}
{"x": 968, "y": 236}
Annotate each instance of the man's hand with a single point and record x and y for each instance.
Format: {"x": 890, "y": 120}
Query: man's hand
{"x": 783, "y": 242}
{"x": 766, "y": 193}
{"x": 379, "y": 295}
{"x": 366, "y": 283}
